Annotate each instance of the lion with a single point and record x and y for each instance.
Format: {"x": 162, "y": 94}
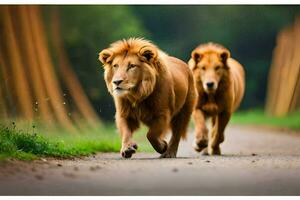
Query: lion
{"x": 148, "y": 87}
{"x": 220, "y": 84}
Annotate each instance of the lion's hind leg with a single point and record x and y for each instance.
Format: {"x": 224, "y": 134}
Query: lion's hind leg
{"x": 157, "y": 129}
{"x": 179, "y": 125}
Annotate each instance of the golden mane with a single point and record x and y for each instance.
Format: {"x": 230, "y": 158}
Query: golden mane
{"x": 131, "y": 45}
{"x": 211, "y": 47}
{"x": 151, "y": 68}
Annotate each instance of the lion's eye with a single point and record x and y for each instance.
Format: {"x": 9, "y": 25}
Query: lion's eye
{"x": 131, "y": 66}
{"x": 217, "y": 68}
{"x": 115, "y": 65}
{"x": 203, "y": 68}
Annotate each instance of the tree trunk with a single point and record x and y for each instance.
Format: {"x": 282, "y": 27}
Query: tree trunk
{"x": 41, "y": 104}
{"x": 20, "y": 87}
{"x": 3, "y": 104}
{"x": 69, "y": 77}
{"x": 7, "y": 99}
{"x": 47, "y": 70}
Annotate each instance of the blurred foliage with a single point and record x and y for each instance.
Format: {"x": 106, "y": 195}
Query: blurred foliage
{"x": 258, "y": 117}
{"x": 248, "y": 31}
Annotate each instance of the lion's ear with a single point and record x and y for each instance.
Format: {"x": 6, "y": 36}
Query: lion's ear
{"x": 192, "y": 64}
{"x": 196, "y": 56}
{"x": 224, "y": 56}
{"x": 105, "y": 56}
{"x": 148, "y": 53}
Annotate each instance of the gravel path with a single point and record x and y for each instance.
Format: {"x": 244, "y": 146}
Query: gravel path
{"x": 256, "y": 161}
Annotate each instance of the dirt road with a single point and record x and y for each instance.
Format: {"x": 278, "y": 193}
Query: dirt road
{"x": 256, "y": 161}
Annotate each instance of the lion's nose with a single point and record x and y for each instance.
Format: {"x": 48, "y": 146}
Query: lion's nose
{"x": 210, "y": 85}
{"x": 117, "y": 82}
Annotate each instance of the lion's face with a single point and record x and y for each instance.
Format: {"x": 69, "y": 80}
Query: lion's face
{"x": 209, "y": 69}
{"x": 130, "y": 73}
{"x": 124, "y": 74}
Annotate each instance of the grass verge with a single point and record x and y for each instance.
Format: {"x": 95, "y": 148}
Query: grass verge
{"x": 258, "y": 117}
{"x": 34, "y": 143}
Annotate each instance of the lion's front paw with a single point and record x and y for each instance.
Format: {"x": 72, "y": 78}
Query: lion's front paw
{"x": 204, "y": 152}
{"x": 199, "y": 145}
{"x": 160, "y": 146}
{"x": 129, "y": 150}
{"x": 168, "y": 154}
{"x": 214, "y": 151}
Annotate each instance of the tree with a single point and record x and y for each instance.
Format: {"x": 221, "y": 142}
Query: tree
{"x": 70, "y": 79}
{"x": 34, "y": 87}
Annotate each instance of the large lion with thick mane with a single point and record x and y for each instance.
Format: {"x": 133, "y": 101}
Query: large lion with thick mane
{"x": 151, "y": 87}
{"x": 220, "y": 83}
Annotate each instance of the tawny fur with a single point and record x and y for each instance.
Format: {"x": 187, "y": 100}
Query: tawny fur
{"x": 156, "y": 90}
{"x": 211, "y": 63}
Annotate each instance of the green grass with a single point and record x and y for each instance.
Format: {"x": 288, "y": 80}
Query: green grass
{"x": 28, "y": 142}
{"x": 32, "y": 143}
{"x": 258, "y": 117}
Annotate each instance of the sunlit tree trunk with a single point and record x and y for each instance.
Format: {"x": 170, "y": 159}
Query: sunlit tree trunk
{"x": 30, "y": 88}
{"x": 283, "y": 71}
{"x": 69, "y": 77}
{"x": 280, "y": 58}
{"x": 3, "y": 104}
{"x": 41, "y": 103}
{"x": 284, "y": 78}
{"x": 273, "y": 75}
{"x": 295, "y": 70}
{"x": 20, "y": 86}
{"x": 47, "y": 70}
{"x": 5, "y": 98}
{"x": 3, "y": 111}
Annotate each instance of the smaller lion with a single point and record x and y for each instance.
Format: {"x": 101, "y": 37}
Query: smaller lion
{"x": 148, "y": 87}
{"x": 220, "y": 83}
